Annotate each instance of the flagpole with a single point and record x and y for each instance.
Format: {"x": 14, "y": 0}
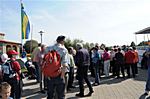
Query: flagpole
{"x": 21, "y": 26}
{"x": 31, "y": 38}
{"x": 25, "y": 25}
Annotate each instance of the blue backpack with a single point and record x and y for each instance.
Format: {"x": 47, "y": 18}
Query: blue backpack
{"x": 8, "y": 71}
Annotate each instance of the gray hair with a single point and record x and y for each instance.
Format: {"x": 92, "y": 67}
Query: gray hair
{"x": 79, "y": 45}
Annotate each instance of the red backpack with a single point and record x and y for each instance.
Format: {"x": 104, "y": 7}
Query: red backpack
{"x": 51, "y": 64}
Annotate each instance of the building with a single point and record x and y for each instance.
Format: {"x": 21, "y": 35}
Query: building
{"x": 145, "y": 31}
{"x": 7, "y": 45}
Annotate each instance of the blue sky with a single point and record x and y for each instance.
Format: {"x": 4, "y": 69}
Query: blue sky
{"x": 111, "y": 22}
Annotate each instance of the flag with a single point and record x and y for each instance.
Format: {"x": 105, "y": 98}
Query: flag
{"x": 25, "y": 24}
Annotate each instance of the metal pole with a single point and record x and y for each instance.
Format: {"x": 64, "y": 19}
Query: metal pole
{"x": 31, "y": 40}
{"x": 41, "y": 82}
{"x": 41, "y": 38}
{"x": 21, "y": 27}
{"x": 136, "y": 39}
{"x": 41, "y": 33}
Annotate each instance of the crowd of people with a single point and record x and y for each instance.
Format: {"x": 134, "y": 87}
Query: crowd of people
{"x": 107, "y": 62}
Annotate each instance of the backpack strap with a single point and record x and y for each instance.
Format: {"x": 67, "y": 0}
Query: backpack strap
{"x": 11, "y": 66}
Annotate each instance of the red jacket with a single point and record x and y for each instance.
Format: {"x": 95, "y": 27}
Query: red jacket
{"x": 136, "y": 56}
{"x": 16, "y": 67}
{"x": 129, "y": 57}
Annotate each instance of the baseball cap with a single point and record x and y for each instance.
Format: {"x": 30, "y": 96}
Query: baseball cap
{"x": 12, "y": 52}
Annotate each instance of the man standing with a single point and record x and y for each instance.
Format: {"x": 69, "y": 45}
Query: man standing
{"x": 82, "y": 62}
{"x": 36, "y": 61}
{"x": 119, "y": 58}
{"x": 57, "y": 84}
{"x": 129, "y": 60}
{"x": 147, "y": 89}
{"x": 42, "y": 78}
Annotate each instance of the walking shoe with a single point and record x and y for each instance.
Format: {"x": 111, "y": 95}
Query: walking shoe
{"x": 72, "y": 87}
{"x": 146, "y": 93}
{"x": 90, "y": 93}
{"x": 80, "y": 95}
{"x": 96, "y": 84}
{"x": 45, "y": 88}
{"x": 118, "y": 77}
{"x": 43, "y": 92}
{"x": 37, "y": 81}
{"x": 68, "y": 89}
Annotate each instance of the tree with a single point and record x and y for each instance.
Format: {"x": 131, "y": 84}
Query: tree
{"x": 68, "y": 43}
{"x": 102, "y": 46}
{"x": 75, "y": 41}
{"x": 132, "y": 44}
{"x": 30, "y": 45}
{"x": 86, "y": 45}
{"x": 91, "y": 45}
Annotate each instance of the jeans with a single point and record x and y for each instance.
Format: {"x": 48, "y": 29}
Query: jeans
{"x": 57, "y": 85}
{"x": 97, "y": 77}
{"x": 148, "y": 80}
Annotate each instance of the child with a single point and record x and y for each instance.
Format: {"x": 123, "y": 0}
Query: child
{"x": 5, "y": 90}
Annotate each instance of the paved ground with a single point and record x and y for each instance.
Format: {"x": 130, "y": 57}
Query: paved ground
{"x": 110, "y": 88}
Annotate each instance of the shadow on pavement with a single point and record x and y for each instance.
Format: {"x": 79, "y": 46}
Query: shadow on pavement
{"x": 142, "y": 76}
{"x": 33, "y": 93}
{"x": 30, "y": 84}
{"x": 37, "y": 96}
{"x": 74, "y": 98}
{"x": 112, "y": 81}
{"x": 74, "y": 90}
{"x": 28, "y": 92}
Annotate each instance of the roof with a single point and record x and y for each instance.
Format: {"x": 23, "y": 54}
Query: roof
{"x": 144, "y": 31}
{"x": 4, "y": 41}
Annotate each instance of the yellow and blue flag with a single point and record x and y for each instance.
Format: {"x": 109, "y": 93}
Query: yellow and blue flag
{"x": 25, "y": 24}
